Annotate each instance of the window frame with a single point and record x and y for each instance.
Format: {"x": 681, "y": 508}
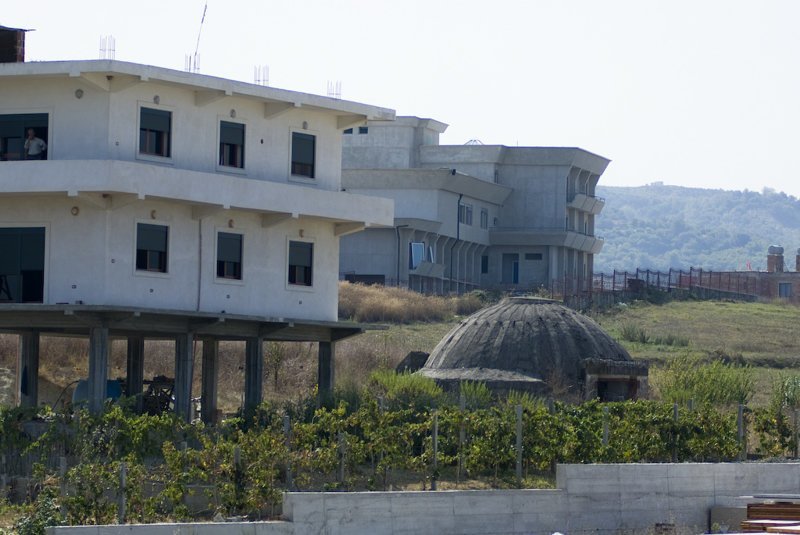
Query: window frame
{"x": 140, "y": 154}
{"x": 484, "y": 218}
{"x": 484, "y": 264}
{"x": 146, "y": 271}
{"x": 240, "y": 263}
{"x": 420, "y": 253}
{"x": 302, "y": 176}
{"x": 465, "y": 213}
{"x": 225, "y": 167}
{"x": 299, "y": 285}
{"x": 31, "y": 111}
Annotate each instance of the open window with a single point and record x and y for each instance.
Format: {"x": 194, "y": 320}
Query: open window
{"x": 303, "y": 152}
{"x": 229, "y": 255}
{"x": 151, "y": 247}
{"x": 16, "y": 129}
{"x": 22, "y": 265}
{"x": 231, "y": 144}
{"x": 155, "y": 132}
{"x": 301, "y": 263}
{"x": 416, "y": 254}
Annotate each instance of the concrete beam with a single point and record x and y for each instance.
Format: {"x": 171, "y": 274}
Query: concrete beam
{"x": 98, "y": 368}
{"x": 343, "y": 229}
{"x": 184, "y": 368}
{"x": 274, "y": 109}
{"x": 346, "y": 121}
{"x": 270, "y": 220}
{"x": 208, "y": 399}
{"x": 253, "y": 375}
{"x": 135, "y": 370}
{"x": 325, "y": 370}
{"x": 205, "y": 97}
{"x": 28, "y": 370}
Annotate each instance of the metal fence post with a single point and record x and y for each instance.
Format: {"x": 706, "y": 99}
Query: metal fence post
{"x": 435, "y": 440}
{"x": 605, "y": 426}
{"x": 123, "y": 473}
{"x": 462, "y": 436}
{"x": 341, "y": 457}
{"x": 287, "y": 434}
{"x": 740, "y": 432}
{"x": 519, "y": 445}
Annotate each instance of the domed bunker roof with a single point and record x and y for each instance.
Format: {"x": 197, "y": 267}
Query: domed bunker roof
{"x": 529, "y": 344}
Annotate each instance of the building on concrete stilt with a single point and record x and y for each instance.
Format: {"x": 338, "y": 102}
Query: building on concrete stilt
{"x": 140, "y": 203}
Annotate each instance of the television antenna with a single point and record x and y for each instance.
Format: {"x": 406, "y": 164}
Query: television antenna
{"x": 192, "y": 63}
{"x": 108, "y": 47}
{"x": 335, "y": 89}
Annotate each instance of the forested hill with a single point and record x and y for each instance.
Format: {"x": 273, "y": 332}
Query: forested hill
{"x": 659, "y": 227}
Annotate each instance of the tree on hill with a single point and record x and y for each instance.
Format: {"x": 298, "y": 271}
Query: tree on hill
{"x": 662, "y": 227}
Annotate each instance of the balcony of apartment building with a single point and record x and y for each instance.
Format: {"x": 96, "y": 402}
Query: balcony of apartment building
{"x": 586, "y": 203}
{"x": 567, "y": 236}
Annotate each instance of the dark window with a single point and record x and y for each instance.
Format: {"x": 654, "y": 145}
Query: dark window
{"x": 14, "y": 133}
{"x": 229, "y": 255}
{"x": 484, "y": 264}
{"x": 231, "y": 144}
{"x": 301, "y": 262}
{"x": 151, "y": 247}
{"x": 22, "y": 265}
{"x": 155, "y": 127}
{"x": 303, "y": 148}
{"x": 484, "y": 218}
{"x": 533, "y": 256}
{"x": 363, "y": 130}
{"x": 348, "y": 131}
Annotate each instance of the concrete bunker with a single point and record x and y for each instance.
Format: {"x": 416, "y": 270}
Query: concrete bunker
{"x": 538, "y": 346}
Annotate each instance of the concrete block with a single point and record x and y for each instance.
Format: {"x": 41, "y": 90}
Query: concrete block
{"x": 428, "y": 504}
{"x": 357, "y": 504}
{"x": 728, "y": 516}
{"x": 481, "y": 502}
{"x": 359, "y": 526}
{"x": 691, "y": 486}
{"x": 427, "y": 525}
{"x": 777, "y": 478}
{"x": 482, "y": 524}
{"x": 304, "y": 507}
{"x": 596, "y": 503}
{"x": 632, "y": 473}
{"x": 541, "y": 523}
{"x": 538, "y": 501}
{"x": 593, "y": 521}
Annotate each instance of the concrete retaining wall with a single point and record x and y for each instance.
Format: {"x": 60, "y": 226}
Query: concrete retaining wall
{"x": 599, "y": 499}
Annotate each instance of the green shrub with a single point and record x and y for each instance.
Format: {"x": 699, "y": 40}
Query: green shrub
{"x": 476, "y": 395}
{"x": 687, "y": 378}
{"x": 405, "y": 390}
{"x": 633, "y": 333}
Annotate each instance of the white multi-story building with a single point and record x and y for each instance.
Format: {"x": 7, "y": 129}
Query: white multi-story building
{"x": 154, "y": 202}
{"x": 471, "y": 216}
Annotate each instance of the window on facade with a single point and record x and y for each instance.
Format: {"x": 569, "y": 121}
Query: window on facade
{"x": 151, "y": 247}
{"x": 231, "y": 144}
{"x": 229, "y": 255}
{"x": 363, "y": 130}
{"x": 484, "y": 264}
{"x": 301, "y": 262}
{"x": 416, "y": 254}
{"x": 22, "y": 265}
{"x": 785, "y": 289}
{"x": 533, "y": 256}
{"x": 348, "y": 131}
{"x": 465, "y": 214}
{"x": 303, "y": 148}
{"x": 23, "y": 136}
{"x": 155, "y": 132}
{"x": 431, "y": 254}
{"x": 484, "y": 218}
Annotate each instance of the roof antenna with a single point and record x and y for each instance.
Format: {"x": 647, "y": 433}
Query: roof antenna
{"x": 335, "y": 89}
{"x": 192, "y": 63}
{"x": 108, "y": 47}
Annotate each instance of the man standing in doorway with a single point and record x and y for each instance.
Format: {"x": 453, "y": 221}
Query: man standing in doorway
{"x": 34, "y": 146}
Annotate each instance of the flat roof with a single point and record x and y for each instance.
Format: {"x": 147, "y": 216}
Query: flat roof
{"x": 111, "y": 75}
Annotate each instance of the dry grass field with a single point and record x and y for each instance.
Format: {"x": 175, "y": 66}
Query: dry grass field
{"x": 763, "y": 335}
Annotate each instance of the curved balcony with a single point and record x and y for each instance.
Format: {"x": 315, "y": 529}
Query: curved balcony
{"x": 587, "y": 203}
{"x": 559, "y": 237}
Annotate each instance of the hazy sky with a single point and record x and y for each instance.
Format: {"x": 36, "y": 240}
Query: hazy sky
{"x": 702, "y": 93}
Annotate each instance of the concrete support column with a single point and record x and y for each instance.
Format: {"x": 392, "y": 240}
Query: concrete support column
{"x": 135, "y": 370}
{"x": 253, "y": 374}
{"x": 327, "y": 352}
{"x": 208, "y": 400}
{"x": 28, "y": 370}
{"x": 184, "y": 364}
{"x": 98, "y": 368}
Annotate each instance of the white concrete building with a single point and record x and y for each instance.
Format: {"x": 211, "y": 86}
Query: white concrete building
{"x": 176, "y": 195}
{"x": 471, "y": 216}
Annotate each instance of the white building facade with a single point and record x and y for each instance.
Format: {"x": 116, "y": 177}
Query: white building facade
{"x": 512, "y": 218}
{"x": 158, "y": 203}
